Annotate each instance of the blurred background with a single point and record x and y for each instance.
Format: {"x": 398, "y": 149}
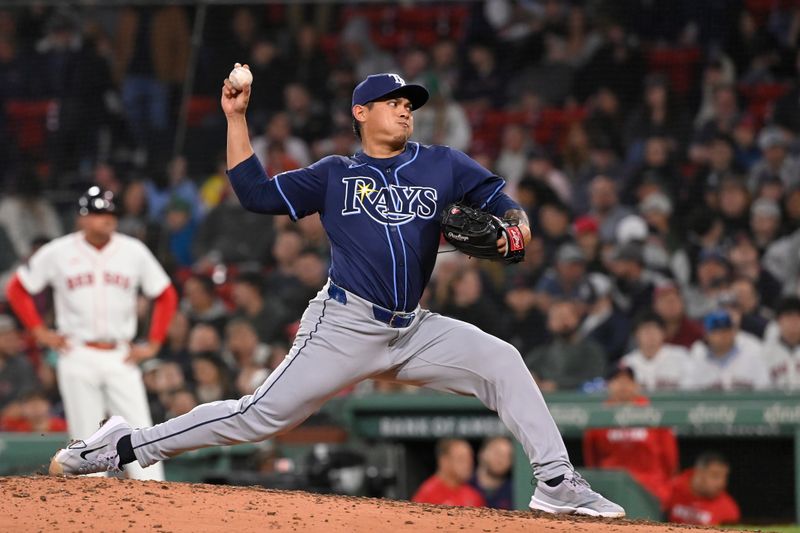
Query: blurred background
{"x": 653, "y": 143}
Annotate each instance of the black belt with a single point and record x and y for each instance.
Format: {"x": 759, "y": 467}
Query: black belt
{"x": 394, "y": 319}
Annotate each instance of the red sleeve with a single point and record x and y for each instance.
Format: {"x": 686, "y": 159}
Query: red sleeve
{"x": 22, "y": 304}
{"x": 163, "y": 311}
{"x": 728, "y": 510}
{"x": 590, "y": 455}
{"x": 423, "y": 494}
{"x": 669, "y": 451}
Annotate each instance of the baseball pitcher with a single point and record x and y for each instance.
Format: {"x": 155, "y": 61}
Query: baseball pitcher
{"x": 381, "y": 209}
{"x": 96, "y": 275}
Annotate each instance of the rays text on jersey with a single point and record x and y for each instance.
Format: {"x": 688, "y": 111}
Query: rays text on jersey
{"x": 393, "y": 205}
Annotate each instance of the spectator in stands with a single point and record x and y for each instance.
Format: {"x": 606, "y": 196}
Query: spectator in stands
{"x": 699, "y": 495}
{"x": 782, "y": 351}
{"x": 179, "y": 402}
{"x": 151, "y": 56}
{"x": 713, "y": 279}
{"x": 443, "y": 70}
{"x": 587, "y": 236}
{"x": 718, "y": 163}
{"x": 742, "y": 301}
{"x": 270, "y": 68}
{"x": 553, "y": 217}
{"x": 230, "y": 234}
{"x": 32, "y": 414}
{"x": 603, "y": 322}
{"x": 605, "y": 206}
{"x": 361, "y": 51}
{"x": 765, "y": 223}
{"x": 173, "y": 184}
{"x": 307, "y": 278}
{"x": 721, "y": 361}
{"x": 540, "y": 167}
{"x": 176, "y": 345}
{"x": 658, "y": 116}
{"x": 279, "y": 130}
{"x": 133, "y": 219}
{"x": 567, "y": 280}
{"x": 617, "y": 64}
{"x": 480, "y": 83}
{"x": 718, "y": 71}
{"x": 513, "y": 157}
{"x": 27, "y": 214}
{"x": 180, "y": 231}
{"x": 744, "y": 258}
{"x": 734, "y": 206}
{"x": 492, "y": 476}
{"x": 160, "y": 379}
{"x": 443, "y": 121}
{"x": 526, "y": 323}
{"x": 469, "y": 302}
{"x": 656, "y": 209}
{"x": 724, "y": 113}
{"x": 633, "y": 283}
{"x": 203, "y": 338}
{"x": 17, "y": 376}
{"x": 309, "y": 65}
{"x": 648, "y": 454}
{"x": 449, "y": 484}
{"x": 201, "y": 304}
{"x": 668, "y": 304}
{"x": 656, "y": 365}
{"x": 656, "y": 173}
{"x": 568, "y": 361}
{"x": 744, "y": 135}
{"x": 211, "y": 378}
{"x": 307, "y": 116}
{"x": 266, "y": 315}
{"x": 776, "y": 160}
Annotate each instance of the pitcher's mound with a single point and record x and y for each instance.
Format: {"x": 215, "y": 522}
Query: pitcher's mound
{"x": 81, "y": 504}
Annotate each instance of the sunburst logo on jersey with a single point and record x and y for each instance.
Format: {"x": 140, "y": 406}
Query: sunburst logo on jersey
{"x": 364, "y": 189}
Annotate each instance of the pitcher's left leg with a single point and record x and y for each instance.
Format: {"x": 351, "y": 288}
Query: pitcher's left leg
{"x": 449, "y": 355}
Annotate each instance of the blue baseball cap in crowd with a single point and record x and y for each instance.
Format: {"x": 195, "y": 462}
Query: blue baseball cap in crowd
{"x": 378, "y": 86}
{"x": 719, "y": 319}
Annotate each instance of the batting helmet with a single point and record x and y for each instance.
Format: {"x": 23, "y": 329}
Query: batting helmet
{"x": 96, "y": 200}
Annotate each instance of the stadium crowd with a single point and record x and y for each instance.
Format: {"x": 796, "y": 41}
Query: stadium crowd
{"x": 657, "y": 158}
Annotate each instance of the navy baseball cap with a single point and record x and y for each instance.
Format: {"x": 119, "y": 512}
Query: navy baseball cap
{"x": 378, "y": 86}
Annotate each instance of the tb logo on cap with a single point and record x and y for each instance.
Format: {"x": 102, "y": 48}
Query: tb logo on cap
{"x": 397, "y": 79}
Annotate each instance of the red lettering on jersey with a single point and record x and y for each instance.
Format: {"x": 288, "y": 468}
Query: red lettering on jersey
{"x": 81, "y": 280}
{"x": 112, "y": 278}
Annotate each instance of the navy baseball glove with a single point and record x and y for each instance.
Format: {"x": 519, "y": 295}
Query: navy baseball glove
{"x": 475, "y": 233}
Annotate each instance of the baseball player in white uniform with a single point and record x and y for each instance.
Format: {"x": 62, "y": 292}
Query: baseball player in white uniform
{"x": 96, "y": 275}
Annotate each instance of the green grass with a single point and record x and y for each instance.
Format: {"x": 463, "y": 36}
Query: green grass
{"x": 776, "y": 529}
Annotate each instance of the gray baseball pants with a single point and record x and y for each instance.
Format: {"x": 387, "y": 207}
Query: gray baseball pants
{"x": 339, "y": 344}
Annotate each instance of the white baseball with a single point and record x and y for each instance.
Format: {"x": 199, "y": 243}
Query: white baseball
{"x": 240, "y": 78}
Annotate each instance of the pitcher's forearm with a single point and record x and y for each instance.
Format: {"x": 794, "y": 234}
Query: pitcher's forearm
{"x": 239, "y": 147}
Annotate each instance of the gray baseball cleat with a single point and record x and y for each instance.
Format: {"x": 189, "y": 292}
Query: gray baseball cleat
{"x": 574, "y": 495}
{"x": 98, "y": 453}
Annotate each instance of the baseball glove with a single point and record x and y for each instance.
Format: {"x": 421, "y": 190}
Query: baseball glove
{"x": 475, "y": 233}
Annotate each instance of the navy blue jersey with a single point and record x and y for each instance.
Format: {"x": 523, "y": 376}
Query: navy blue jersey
{"x": 381, "y": 215}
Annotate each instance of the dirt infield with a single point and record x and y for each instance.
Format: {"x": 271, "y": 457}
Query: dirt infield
{"x": 82, "y": 504}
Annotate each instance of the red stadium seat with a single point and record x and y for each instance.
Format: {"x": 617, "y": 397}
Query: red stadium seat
{"x": 201, "y": 107}
{"x": 676, "y": 63}
{"x": 27, "y": 122}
